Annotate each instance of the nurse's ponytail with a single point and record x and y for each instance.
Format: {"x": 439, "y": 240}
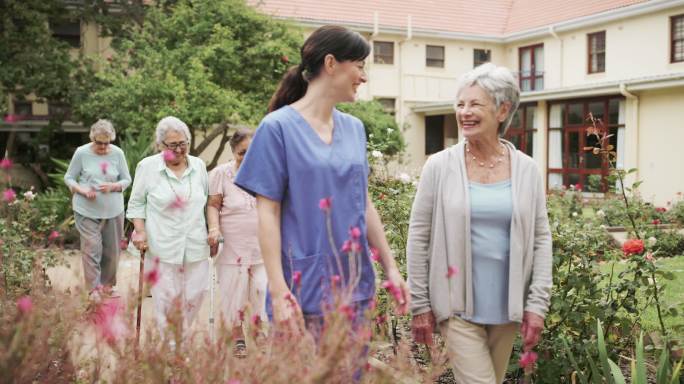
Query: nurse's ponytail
{"x": 343, "y": 44}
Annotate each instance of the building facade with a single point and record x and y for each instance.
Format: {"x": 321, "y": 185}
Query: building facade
{"x": 621, "y": 61}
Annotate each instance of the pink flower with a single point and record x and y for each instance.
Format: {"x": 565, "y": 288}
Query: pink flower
{"x": 380, "y": 319}
{"x": 656, "y": 222}
{"x": 335, "y": 279}
{"x": 152, "y": 276}
{"x": 355, "y": 233}
{"x": 649, "y": 257}
{"x": 297, "y": 278}
{"x": 9, "y": 195}
{"x": 168, "y": 155}
{"x": 109, "y": 323}
{"x": 661, "y": 209}
{"x": 348, "y": 311}
{"x": 527, "y": 360}
{"x": 54, "y": 235}
{"x": 25, "y": 305}
{"x": 11, "y": 118}
{"x": 325, "y": 204}
{"x": 393, "y": 290}
{"x": 256, "y": 320}
{"x": 6, "y": 164}
{"x": 178, "y": 203}
{"x": 103, "y": 166}
{"x": 375, "y": 255}
{"x": 578, "y": 187}
{"x": 241, "y": 315}
{"x": 452, "y": 271}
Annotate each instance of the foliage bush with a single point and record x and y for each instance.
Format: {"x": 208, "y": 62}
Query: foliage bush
{"x": 382, "y": 132}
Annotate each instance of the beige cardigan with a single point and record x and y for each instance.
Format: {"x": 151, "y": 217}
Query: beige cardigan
{"x": 439, "y": 237}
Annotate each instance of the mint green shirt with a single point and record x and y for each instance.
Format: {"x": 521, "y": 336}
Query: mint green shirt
{"x": 88, "y": 169}
{"x": 173, "y": 209}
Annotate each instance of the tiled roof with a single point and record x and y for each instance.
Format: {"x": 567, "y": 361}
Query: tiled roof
{"x": 475, "y": 17}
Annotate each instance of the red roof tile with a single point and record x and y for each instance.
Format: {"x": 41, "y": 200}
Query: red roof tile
{"x": 481, "y": 17}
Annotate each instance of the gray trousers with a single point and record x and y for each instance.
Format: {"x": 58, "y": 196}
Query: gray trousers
{"x": 100, "y": 248}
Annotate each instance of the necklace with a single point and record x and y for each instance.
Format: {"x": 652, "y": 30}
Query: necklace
{"x": 481, "y": 162}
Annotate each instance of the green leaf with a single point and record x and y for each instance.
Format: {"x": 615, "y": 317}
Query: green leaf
{"x": 640, "y": 377}
{"x": 663, "y": 366}
{"x": 603, "y": 354}
{"x": 616, "y": 372}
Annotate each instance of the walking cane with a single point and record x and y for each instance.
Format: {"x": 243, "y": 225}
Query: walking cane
{"x": 212, "y": 288}
{"x": 140, "y": 293}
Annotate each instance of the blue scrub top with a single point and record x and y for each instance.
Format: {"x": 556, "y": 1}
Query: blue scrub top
{"x": 288, "y": 162}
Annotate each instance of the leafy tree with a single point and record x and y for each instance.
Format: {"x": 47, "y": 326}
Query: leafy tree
{"x": 382, "y": 131}
{"x": 212, "y": 64}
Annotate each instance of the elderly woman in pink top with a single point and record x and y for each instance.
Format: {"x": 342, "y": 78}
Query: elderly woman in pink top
{"x": 231, "y": 214}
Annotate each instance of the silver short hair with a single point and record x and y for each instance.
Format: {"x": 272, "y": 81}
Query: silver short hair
{"x": 102, "y": 127}
{"x": 499, "y": 83}
{"x": 171, "y": 123}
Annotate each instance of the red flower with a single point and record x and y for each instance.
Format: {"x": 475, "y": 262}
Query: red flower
{"x": 6, "y": 164}
{"x": 355, "y": 233}
{"x": 256, "y": 320}
{"x": 380, "y": 319}
{"x": 655, "y": 222}
{"x": 25, "y": 305}
{"x": 578, "y": 186}
{"x": 633, "y": 247}
{"x": 348, "y": 311}
{"x": 325, "y": 204}
{"x": 297, "y": 278}
{"x": 9, "y": 195}
{"x": 54, "y": 235}
{"x": 661, "y": 209}
{"x": 452, "y": 271}
{"x": 527, "y": 360}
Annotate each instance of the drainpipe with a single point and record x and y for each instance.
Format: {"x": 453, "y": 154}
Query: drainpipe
{"x": 400, "y": 68}
{"x": 635, "y": 119}
{"x": 552, "y": 31}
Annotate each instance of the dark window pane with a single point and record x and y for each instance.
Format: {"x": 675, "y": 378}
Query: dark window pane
{"x": 575, "y": 114}
{"x": 515, "y": 139}
{"x": 592, "y": 161}
{"x": 529, "y": 143}
{"x": 69, "y": 32}
{"x": 529, "y": 117}
{"x": 23, "y": 108}
{"x": 613, "y": 111}
{"x": 573, "y": 178}
{"x": 434, "y": 56}
{"x": 383, "y": 52}
{"x": 481, "y": 56}
{"x": 517, "y": 120}
{"x": 434, "y": 134}
{"x": 573, "y": 150}
{"x": 597, "y": 109}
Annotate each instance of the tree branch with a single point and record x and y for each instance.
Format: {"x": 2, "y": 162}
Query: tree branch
{"x": 213, "y": 135}
{"x": 217, "y": 154}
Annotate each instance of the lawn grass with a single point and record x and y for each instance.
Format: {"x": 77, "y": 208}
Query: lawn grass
{"x": 673, "y": 294}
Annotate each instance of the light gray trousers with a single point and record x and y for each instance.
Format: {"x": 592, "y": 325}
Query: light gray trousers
{"x": 100, "y": 248}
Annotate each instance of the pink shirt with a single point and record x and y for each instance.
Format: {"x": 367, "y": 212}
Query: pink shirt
{"x": 237, "y": 217}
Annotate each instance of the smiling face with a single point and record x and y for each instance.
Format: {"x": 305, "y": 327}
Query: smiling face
{"x": 477, "y": 114}
{"x": 177, "y": 143}
{"x": 346, "y": 78}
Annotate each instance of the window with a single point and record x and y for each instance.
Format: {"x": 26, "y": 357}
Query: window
{"x": 677, "y": 39}
{"x": 434, "y": 134}
{"x": 383, "y": 52}
{"x": 523, "y": 129}
{"x": 434, "y": 56}
{"x": 388, "y": 104}
{"x": 59, "y": 109}
{"x": 596, "y": 52}
{"x": 532, "y": 68}
{"x": 23, "y": 108}
{"x": 481, "y": 56}
{"x": 569, "y": 163}
{"x": 69, "y": 32}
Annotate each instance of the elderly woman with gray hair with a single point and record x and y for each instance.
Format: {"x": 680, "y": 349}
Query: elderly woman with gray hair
{"x": 97, "y": 176}
{"x": 479, "y": 246}
{"x": 167, "y": 210}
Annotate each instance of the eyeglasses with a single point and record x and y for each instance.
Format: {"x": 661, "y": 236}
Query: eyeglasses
{"x": 173, "y": 146}
{"x": 101, "y": 143}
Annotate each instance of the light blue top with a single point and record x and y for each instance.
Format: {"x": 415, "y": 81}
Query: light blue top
{"x": 491, "y": 209}
{"x": 173, "y": 209}
{"x": 288, "y": 162}
{"x": 89, "y": 170}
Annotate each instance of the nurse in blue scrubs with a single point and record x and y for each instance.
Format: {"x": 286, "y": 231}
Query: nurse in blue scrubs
{"x": 307, "y": 167}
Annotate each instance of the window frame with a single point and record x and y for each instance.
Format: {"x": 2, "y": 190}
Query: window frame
{"x": 435, "y": 60}
{"x": 591, "y": 53}
{"x": 488, "y": 53}
{"x": 673, "y": 20}
{"x": 522, "y": 130}
{"x": 533, "y": 70}
{"x": 383, "y": 57}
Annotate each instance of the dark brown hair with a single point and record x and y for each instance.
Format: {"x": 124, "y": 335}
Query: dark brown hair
{"x": 343, "y": 44}
{"x": 238, "y": 137}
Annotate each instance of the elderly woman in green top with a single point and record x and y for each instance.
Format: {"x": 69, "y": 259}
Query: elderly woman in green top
{"x": 167, "y": 209}
{"x": 479, "y": 247}
{"x": 97, "y": 176}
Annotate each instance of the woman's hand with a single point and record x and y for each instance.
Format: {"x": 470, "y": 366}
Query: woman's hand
{"x": 399, "y": 290}
{"x": 530, "y": 330}
{"x": 213, "y": 237}
{"x": 287, "y": 314}
{"x": 108, "y": 187}
{"x": 88, "y": 193}
{"x": 422, "y": 327}
{"x": 139, "y": 240}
